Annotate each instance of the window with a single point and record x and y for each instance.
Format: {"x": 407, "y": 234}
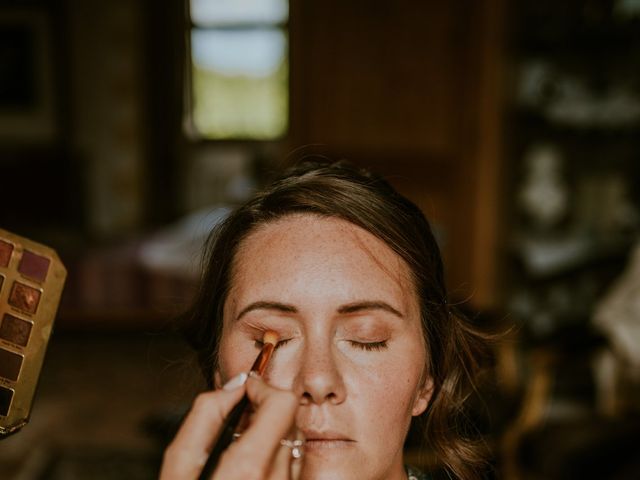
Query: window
{"x": 239, "y": 71}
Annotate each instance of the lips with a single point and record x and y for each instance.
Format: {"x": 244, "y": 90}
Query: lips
{"x": 310, "y": 434}
{"x": 324, "y": 439}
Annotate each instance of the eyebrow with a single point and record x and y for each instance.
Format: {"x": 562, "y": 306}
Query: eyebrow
{"x": 264, "y": 305}
{"x": 355, "y": 307}
{"x": 369, "y": 305}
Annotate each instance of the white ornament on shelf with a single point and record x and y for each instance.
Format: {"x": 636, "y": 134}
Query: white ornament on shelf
{"x": 544, "y": 196}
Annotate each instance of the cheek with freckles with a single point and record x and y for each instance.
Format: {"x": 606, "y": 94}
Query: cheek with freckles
{"x": 390, "y": 389}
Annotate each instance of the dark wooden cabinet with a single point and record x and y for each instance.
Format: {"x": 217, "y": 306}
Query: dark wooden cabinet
{"x": 412, "y": 90}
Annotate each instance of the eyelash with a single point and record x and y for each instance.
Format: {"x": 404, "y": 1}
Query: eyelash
{"x": 368, "y": 346}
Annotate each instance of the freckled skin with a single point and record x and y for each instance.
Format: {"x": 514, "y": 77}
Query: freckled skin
{"x": 317, "y": 265}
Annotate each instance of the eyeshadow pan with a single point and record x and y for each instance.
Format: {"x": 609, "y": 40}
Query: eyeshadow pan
{"x": 5, "y": 253}
{"x": 24, "y": 297}
{"x": 15, "y": 330}
{"x": 34, "y": 266}
{"x": 31, "y": 281}
{"x": 10, "y": 364}
{"x": 6, "y": 395}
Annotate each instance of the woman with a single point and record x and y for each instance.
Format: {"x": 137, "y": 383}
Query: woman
{"x": 349, "y": 275}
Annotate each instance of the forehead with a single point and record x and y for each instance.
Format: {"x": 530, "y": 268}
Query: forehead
{"x": 314, "y": 255}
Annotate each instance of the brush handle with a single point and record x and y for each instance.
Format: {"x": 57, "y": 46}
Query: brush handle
{"x": 225, "y": 436}
{"x": 231, "y": 423}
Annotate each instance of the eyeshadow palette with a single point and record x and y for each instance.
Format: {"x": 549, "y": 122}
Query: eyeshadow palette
{"x": 31, "y": 281}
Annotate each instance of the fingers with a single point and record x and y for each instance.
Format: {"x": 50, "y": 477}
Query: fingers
{"x": 275, "y": 416}
{"x": 188, "y": 452}
{"x": 285, "y": 465}
{"x": 258, "y": 454}
{"x": 281, "y": 466}
{"x": 253, "y": 455}
{"x": 296, "y": 464}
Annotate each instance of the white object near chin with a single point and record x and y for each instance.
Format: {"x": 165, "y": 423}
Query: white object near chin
{"x": 295, "y": 446}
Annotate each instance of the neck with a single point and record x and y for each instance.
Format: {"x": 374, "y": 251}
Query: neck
{"x": 396, "y": 471}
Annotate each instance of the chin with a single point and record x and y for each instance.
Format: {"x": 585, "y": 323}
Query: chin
{"x": 323, "y": 469}
{"x": 318, "y": 467}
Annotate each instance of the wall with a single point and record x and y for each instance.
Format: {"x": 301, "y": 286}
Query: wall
{"x": 105, "y": 41}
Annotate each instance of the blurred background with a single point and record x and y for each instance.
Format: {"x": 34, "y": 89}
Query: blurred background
{"x": 128, "y": 128}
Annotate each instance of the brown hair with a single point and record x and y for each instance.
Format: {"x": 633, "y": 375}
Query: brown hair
{"x": 357, "y": 196}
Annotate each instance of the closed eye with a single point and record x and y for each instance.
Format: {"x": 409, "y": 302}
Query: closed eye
{"x": 259, "y": 343}
{"x": 369, "y": 346}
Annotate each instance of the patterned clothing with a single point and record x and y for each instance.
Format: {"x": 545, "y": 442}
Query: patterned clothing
{"x": 415, "y": 474}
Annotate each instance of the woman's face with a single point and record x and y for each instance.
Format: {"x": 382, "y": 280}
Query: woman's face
{"x": 351, "y": 344}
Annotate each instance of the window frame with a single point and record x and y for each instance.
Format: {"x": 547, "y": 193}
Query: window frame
{"x": 189, "y": 130}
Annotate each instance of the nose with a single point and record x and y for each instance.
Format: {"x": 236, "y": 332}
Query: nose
{"x": 319, "y": 379}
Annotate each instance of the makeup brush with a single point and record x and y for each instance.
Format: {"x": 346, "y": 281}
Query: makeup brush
{"x": 241, "y": 410}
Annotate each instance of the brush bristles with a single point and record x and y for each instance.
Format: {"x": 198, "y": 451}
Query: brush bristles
{"x": 270, "y": 337}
